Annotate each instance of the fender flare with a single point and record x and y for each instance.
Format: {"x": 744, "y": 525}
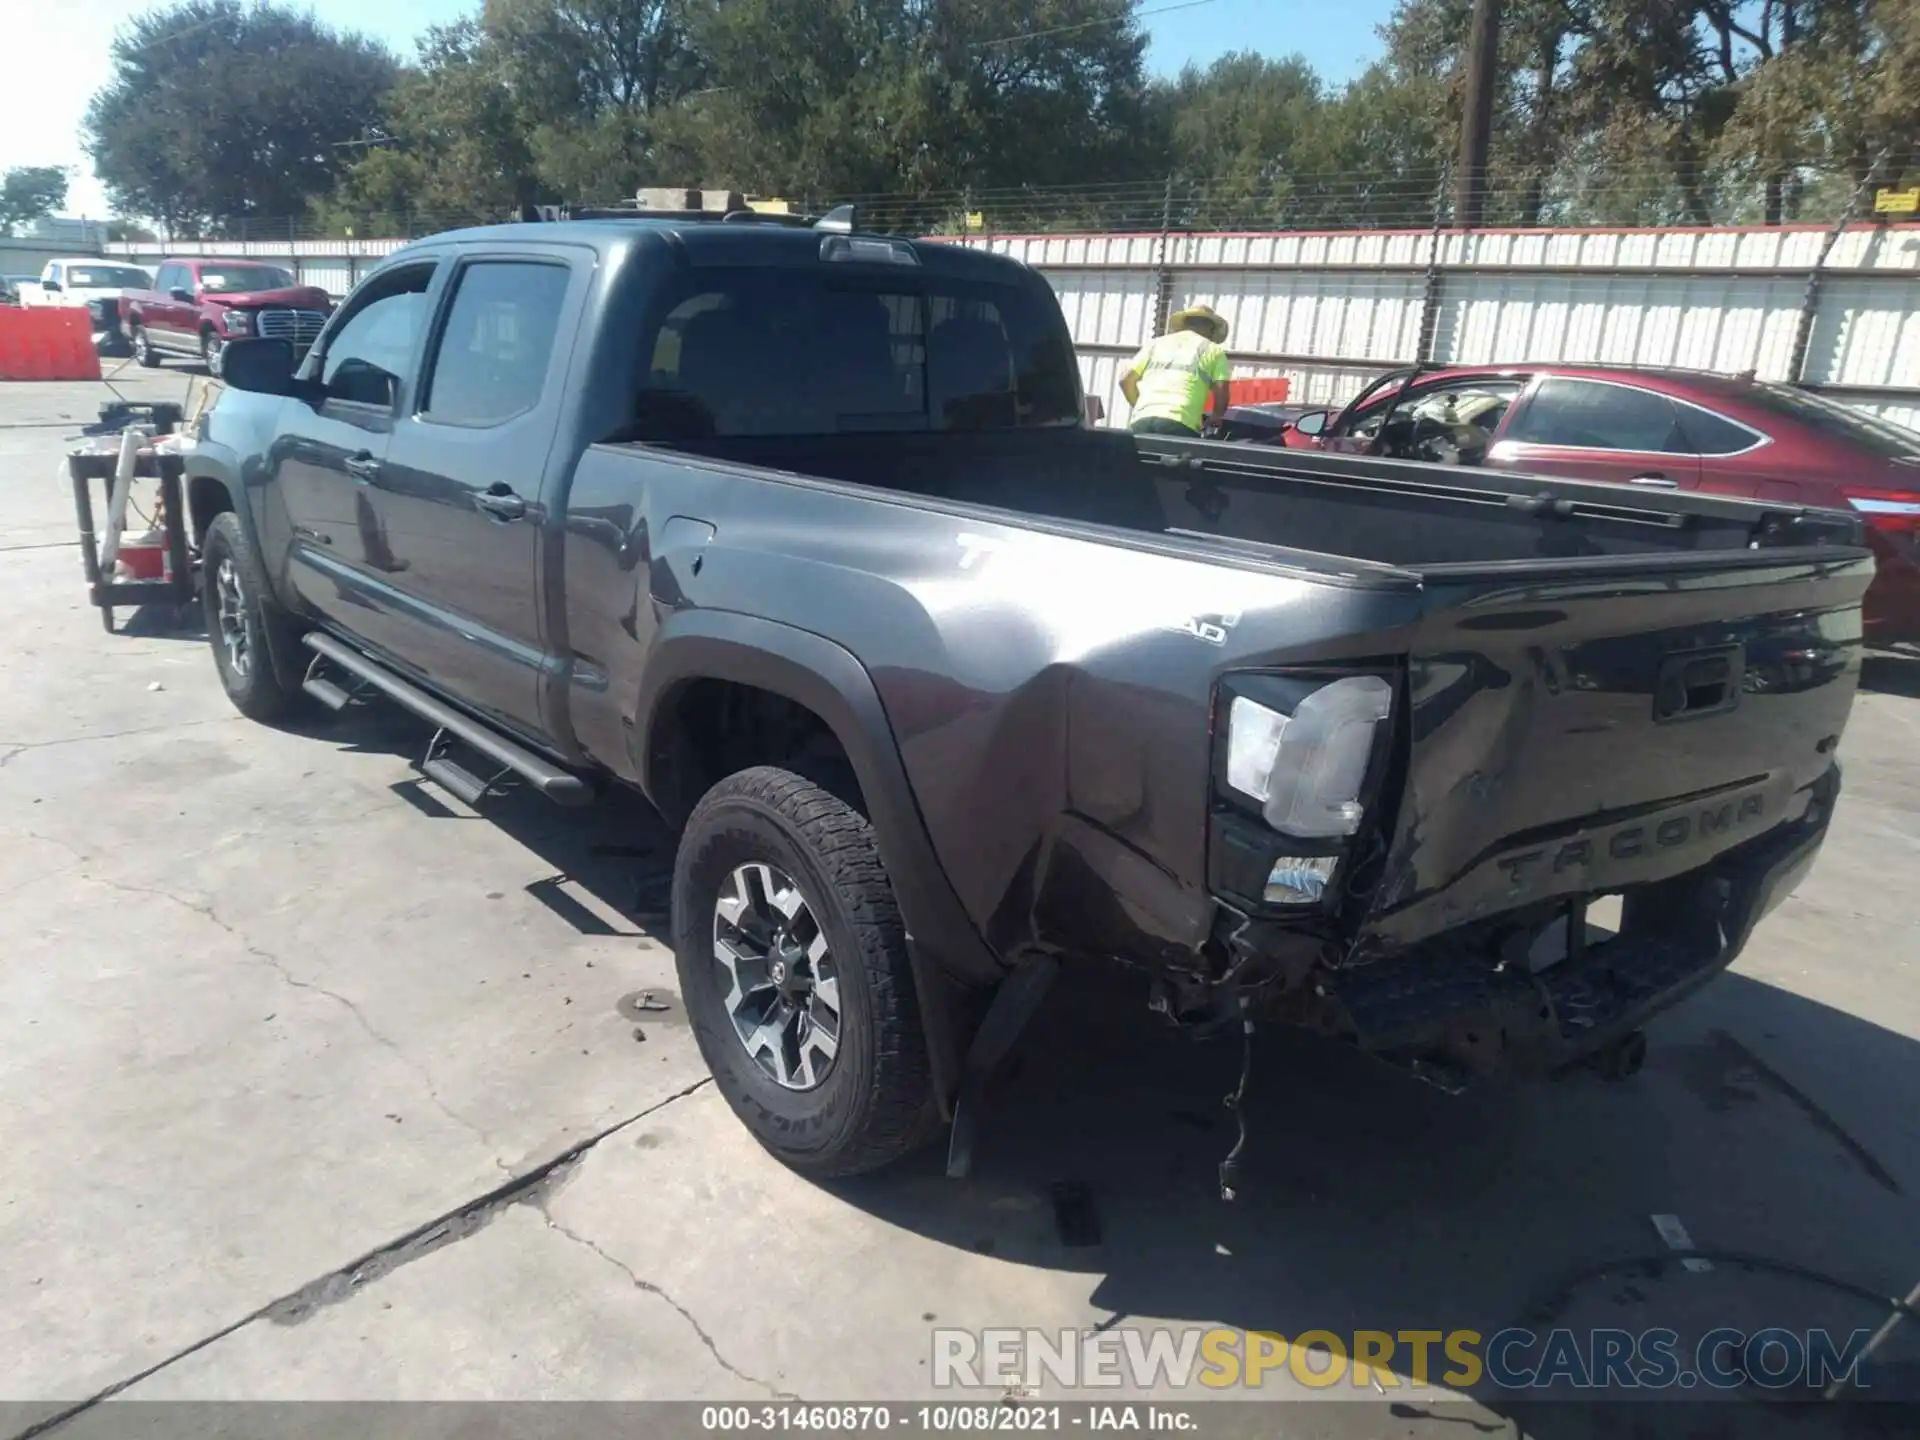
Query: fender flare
{"x": 222, "y": 466}
{"x": 951, "y": 963}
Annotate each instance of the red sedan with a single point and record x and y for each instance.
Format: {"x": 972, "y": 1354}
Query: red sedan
{"x": 1669, "y": 429}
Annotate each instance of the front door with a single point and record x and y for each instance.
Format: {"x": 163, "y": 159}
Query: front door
{"x": 1598, "y": 430}
{"x": 329, "y": 452}
{"x": 461, "y": 491}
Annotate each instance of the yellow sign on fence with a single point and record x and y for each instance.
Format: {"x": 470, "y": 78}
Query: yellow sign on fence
{"x": 1896, "y": 202}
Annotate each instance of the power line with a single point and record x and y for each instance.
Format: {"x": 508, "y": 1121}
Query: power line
{"x": 1086, "y": 24}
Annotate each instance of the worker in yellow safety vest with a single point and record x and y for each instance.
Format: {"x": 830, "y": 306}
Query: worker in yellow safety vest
{"x": 1169, "y": 381}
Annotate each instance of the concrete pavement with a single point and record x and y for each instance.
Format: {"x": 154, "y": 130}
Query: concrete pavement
{"x": 318, "y": 1086}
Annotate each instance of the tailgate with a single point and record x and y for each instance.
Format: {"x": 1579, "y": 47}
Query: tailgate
{"x": 1611, "y": 725}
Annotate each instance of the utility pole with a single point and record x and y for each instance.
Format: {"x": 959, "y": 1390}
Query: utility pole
{"x": 1476, "y": 120}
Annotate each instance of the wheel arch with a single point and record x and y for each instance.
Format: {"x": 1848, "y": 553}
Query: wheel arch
{"x": 826, "y": 681}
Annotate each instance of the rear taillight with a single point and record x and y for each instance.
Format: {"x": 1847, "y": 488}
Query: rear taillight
{"x": 1892, "y": 512}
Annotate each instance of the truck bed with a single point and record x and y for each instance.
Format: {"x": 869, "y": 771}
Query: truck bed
{"x": 1602, "y": 691}
{"x": 1385, "y": 512}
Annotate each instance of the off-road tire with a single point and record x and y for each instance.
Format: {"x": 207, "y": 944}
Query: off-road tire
{"x": 877, "y": 1102}
{"x": 258, "y": 693}
{"x": 147, "y": 357}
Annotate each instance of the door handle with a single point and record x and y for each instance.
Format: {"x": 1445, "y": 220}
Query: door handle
{"x": 501, "y": 503}
{"x": 1655, "y": 480}
{"x": 362, "y": 467}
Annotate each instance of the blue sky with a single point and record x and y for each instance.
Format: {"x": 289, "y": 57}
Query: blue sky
{"x": 41, "y": 104}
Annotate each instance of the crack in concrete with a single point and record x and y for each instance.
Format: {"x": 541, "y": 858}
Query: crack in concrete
{"x": 449, "y": 1228}
{"x": 20, "y": 747}
{"x": 648, "y": 1287}
{"x": 273, "y": 962}
{"x": 207, "y": 912}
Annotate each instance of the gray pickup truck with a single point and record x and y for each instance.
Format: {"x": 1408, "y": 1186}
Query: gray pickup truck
{"x": 801, "y": 531}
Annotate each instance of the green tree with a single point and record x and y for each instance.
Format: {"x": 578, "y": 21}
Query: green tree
{"x": 590, "y": 80}
{"x": 30, "y": 192}
{"x": 1239, "y": 133}
{"x": 1829, "y": 109}
{"x": 220, "y": 114}
{"x": 451, "y": 146}
{"x": 920, "y": 97}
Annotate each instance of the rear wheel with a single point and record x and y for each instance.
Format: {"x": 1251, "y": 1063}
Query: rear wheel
{"x": 240, "y": 611}
{"x": 143, "y": 350}
{"x": 793, "y": 967}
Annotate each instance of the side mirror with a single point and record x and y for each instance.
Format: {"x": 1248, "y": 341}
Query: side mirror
{"x": 1096, "y": 410}
{"x": 263, "y": 366}
{"x": 1314, "y": 422}
{"x": 182, "y": 294}
{"x": 52, "y": 287}
{"x": 363, "y": 383}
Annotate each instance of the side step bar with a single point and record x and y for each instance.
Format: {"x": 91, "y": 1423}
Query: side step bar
{"x": 560, "y": 786}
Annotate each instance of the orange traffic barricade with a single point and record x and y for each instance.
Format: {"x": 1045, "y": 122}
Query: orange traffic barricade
{"x": 53, "y": 342}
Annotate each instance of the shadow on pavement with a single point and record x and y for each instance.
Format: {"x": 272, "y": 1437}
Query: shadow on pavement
{"x": 1371, "y": 1202}
{"x": 1892, "y": 672}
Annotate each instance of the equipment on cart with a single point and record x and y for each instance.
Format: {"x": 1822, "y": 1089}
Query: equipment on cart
{"x": 131, "y": 441}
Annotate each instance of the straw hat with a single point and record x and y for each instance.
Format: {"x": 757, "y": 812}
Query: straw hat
{"x": 1201, "y": 318}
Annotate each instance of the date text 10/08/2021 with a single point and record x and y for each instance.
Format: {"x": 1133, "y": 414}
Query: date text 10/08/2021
{"x": 945, "y": 1419}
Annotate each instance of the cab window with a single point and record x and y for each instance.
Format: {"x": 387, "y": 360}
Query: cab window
{"x": 371, "y": 350}
{"x": 497, "y": 343}
{"x": 1596, "y": 415}
{"x": 1449, "y": 424}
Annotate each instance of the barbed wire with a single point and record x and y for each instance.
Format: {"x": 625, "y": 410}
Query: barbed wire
{"x": 1417, "y": 197}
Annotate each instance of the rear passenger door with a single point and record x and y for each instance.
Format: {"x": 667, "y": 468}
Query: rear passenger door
{"x": 1585, "y": 429}
{"x": 462, "y": 491}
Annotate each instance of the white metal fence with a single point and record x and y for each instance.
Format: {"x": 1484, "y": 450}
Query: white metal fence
{"x": 1836, "y": 310}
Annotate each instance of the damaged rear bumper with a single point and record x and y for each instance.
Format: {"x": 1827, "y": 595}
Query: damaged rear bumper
{"x": 1447, "y": 1013}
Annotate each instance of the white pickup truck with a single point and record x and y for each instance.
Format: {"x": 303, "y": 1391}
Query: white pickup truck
{"x": 78, "y": 279}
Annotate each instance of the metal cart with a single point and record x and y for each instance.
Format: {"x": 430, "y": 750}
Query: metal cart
{"x": 122, "y": 447}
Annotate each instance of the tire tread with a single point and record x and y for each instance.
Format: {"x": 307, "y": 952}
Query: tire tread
{"x": 265, "y": 698}
{"x": 898, "y": 1113}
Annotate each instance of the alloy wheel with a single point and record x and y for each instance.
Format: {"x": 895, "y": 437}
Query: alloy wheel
{"x": 233, "y": 617}
{"x": 781, "y": 987}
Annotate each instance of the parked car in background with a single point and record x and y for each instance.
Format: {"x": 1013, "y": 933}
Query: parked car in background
{"x": 75, "y": 280}
{"x": 196, "y": 306}
{"x": 13, "y": 288}
{"x": 1656, "y": 429}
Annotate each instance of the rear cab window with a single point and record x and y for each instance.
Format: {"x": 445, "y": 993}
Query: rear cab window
{"x": 750, "y": 351}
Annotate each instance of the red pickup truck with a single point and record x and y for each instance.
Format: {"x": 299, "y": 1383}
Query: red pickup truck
{"x": 197, "y": 306}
